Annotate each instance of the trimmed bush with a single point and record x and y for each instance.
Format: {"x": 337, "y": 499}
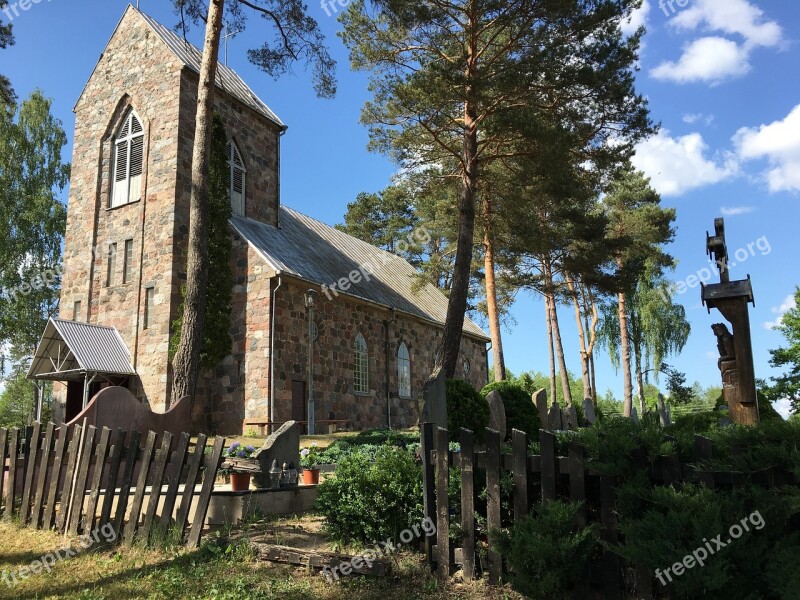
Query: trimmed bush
{"x": 366, "y": 501}
{"x": 520, "y": 412}
{"x": 466, "y": 408}
{"x": 544, "y": 551}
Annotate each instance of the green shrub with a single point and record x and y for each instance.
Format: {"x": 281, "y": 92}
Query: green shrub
{"x": 520, "y": 412}
{"x": 367, "y": 501}
{"x": 544, "y": 551}
{"x": 466, "y": 408}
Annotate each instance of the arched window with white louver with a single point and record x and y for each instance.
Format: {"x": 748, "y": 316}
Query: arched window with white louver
{"x": 360, "y": 366}
{"x": 237, "y": 178}
{"x": 403, "y": 371}
{"x": 128, "y": 161}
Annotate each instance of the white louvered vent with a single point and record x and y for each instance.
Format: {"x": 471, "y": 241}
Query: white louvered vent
{"x": 128, "y": 162}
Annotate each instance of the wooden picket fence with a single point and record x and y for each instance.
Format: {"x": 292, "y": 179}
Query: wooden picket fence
{"x": 79, "y": 479}
{"x": 538, "y": 479}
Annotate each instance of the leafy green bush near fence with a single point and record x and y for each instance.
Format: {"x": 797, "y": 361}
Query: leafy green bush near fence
{"x": 466, "y": 408}
{"x": 520, "y": 412}
{"x": 369, "y": 500}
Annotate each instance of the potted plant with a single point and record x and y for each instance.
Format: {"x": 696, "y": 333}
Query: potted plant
{"x": 235, "y": 456}
{"x": 309, "y": 462}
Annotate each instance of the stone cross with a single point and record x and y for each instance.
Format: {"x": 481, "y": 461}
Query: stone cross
{"x": 497, "y": 413}
{"x": 588, "y": 411}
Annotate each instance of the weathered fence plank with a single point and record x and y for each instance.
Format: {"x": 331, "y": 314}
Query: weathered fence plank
{"x": 428, "y": 485}
{"x": 519, "y": 453}
{"x": 141, "y": 487}
{"x": 36, "y": 513}
{"x": 97, "y": 478}
{"x": 159, "y": 465}
{"x": 3, "y": 455}
{"x": 79, "y": 488}
{"x": 66, "y": 490}
{"x": 442, "y": 505}
{"x": 493, "y": 518}
{"x": 13, "y": 455}
{"x": 191, "y": 480}
{"x": 174, "y": 480}
{"x": 32, "y": 444}
{"x": 55, "y": 479}
{"x": 205, "y": 494}
{"x": 547, "y": 443}
{"x": 468, "y": 503}
{"x": 131, "y": 458}
{"x": 116, "y": 452}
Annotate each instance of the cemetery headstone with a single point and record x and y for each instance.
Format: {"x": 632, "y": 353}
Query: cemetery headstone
{"x": 555, "y": 420}
{"x": 588, "y": 411}
{"x": 540, "y": 400}
{"x": 497, "y": 413}
{"x": 634, "y": 415}
{"x": 282, "y": 446}
{"x": 571, "y": 415}
{"x": 435, "y": 394}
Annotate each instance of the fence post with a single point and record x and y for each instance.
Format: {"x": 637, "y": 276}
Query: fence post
{"x": 3, "y": 455}
{"x": 31, "y": 454}
{"x": 442, "y": 504}
{"x": 13, "y": 454}
{"x": 55, "y": 479}
{"x": 428, "y": 486}
{"x": 519, "y": 445}
{"x": 547, "y": 443}
{"x": 44, "y": 461}
{"x": 204, "y": 499}
{"x": 493, "y": 500}
{"x": 468, "y": 502}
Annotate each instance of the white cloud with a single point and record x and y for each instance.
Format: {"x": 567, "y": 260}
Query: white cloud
{"x": 787, "y": 305}
{"x": 783, "y": 407}
{"x": 733, "y": 17}
{"x": 638, "y": 18}
{"x": 709, "y": 59}
{"x": 677, "y": 165}
{"x": 692, "y": 118}
{"x": 779, "y": 143}
{"x": 735, "y": 211}
{"x": 714, "y": 58}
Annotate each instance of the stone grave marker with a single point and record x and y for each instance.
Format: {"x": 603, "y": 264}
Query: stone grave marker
{"x": 283, "y": 446}
{"x": 540, "y": 401}
{"x": 497, "y": 413}
{"x": 588, "y": 411}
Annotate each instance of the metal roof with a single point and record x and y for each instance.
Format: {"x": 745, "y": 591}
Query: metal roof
{"x": 227, "y": 79}
{"x": 316, "y": 252}
{"x": 68, "y": 350}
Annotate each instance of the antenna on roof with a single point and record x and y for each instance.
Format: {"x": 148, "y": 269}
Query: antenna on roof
{"x": 225, "y": 39}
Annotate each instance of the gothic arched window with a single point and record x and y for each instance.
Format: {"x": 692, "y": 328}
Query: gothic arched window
{"x": 360, "y": 366}
{"x": 128, "y": 161}
{"x": 403, "y": 371}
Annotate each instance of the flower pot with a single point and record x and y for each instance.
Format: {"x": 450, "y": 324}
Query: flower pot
{"x": 310, "y": 476}
{"x": 240, "y": 482}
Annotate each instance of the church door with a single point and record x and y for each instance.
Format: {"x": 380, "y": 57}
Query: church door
{"x": 299, "y": 401}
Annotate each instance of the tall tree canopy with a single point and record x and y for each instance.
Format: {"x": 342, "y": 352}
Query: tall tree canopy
{"x": 296, "y": 36}
{"x": 31, "y": 176}
{"x": 7, "y": 95}
{"x": 450, "y": 78}
{"x": 787, "y": 385}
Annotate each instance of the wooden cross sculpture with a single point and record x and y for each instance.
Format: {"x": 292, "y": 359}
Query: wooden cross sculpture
{"x": 735, "y": 349}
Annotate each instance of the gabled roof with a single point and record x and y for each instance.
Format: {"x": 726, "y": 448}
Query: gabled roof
{"x": 191, "y": 57}
{"x": 69, "y": 350}
{"x": 313, "y": 251}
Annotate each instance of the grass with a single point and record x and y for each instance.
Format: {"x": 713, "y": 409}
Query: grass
{"x": 217, "y": 572}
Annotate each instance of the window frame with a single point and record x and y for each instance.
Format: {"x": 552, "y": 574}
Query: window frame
{"x": 233, "y": 152}
{"x": 403, "y": 375}
{"x": 130, "y": 136}
{"x": 127, "y": 261}
{"x": 149, "y": 306}
{"x": 111, "y": 264}
{"x": 360, "y": 366}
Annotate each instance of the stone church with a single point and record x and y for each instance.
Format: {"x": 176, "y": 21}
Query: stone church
{"x": 374, "y": 334}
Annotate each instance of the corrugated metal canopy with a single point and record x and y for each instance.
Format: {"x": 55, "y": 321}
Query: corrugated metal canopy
{"x": 227, "y": 79}
{"x": 316, "y": 252}
{"x": 69, "y": 350}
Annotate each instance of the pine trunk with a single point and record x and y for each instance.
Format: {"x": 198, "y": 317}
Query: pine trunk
{"x": 584, "y": 351}
{"x": 459, "y": 289}
{"x": 640, "y": 381}
{"x": 562, "y": 363}
{"x": 550, "y": 348}
{"x": 186, "y": 363}
{"x": 491, "y": 297}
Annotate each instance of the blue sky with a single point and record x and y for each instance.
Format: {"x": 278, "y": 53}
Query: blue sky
{"x": 721, "y": 77}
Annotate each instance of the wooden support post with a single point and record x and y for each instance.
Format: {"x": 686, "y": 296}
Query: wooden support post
{"x": 468, "y": 502}
{"x": 442, "y": 505}
{"x": 493, "y": 521}
{"x": 428, "y": 486}
{"x": 519, "y": 443}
